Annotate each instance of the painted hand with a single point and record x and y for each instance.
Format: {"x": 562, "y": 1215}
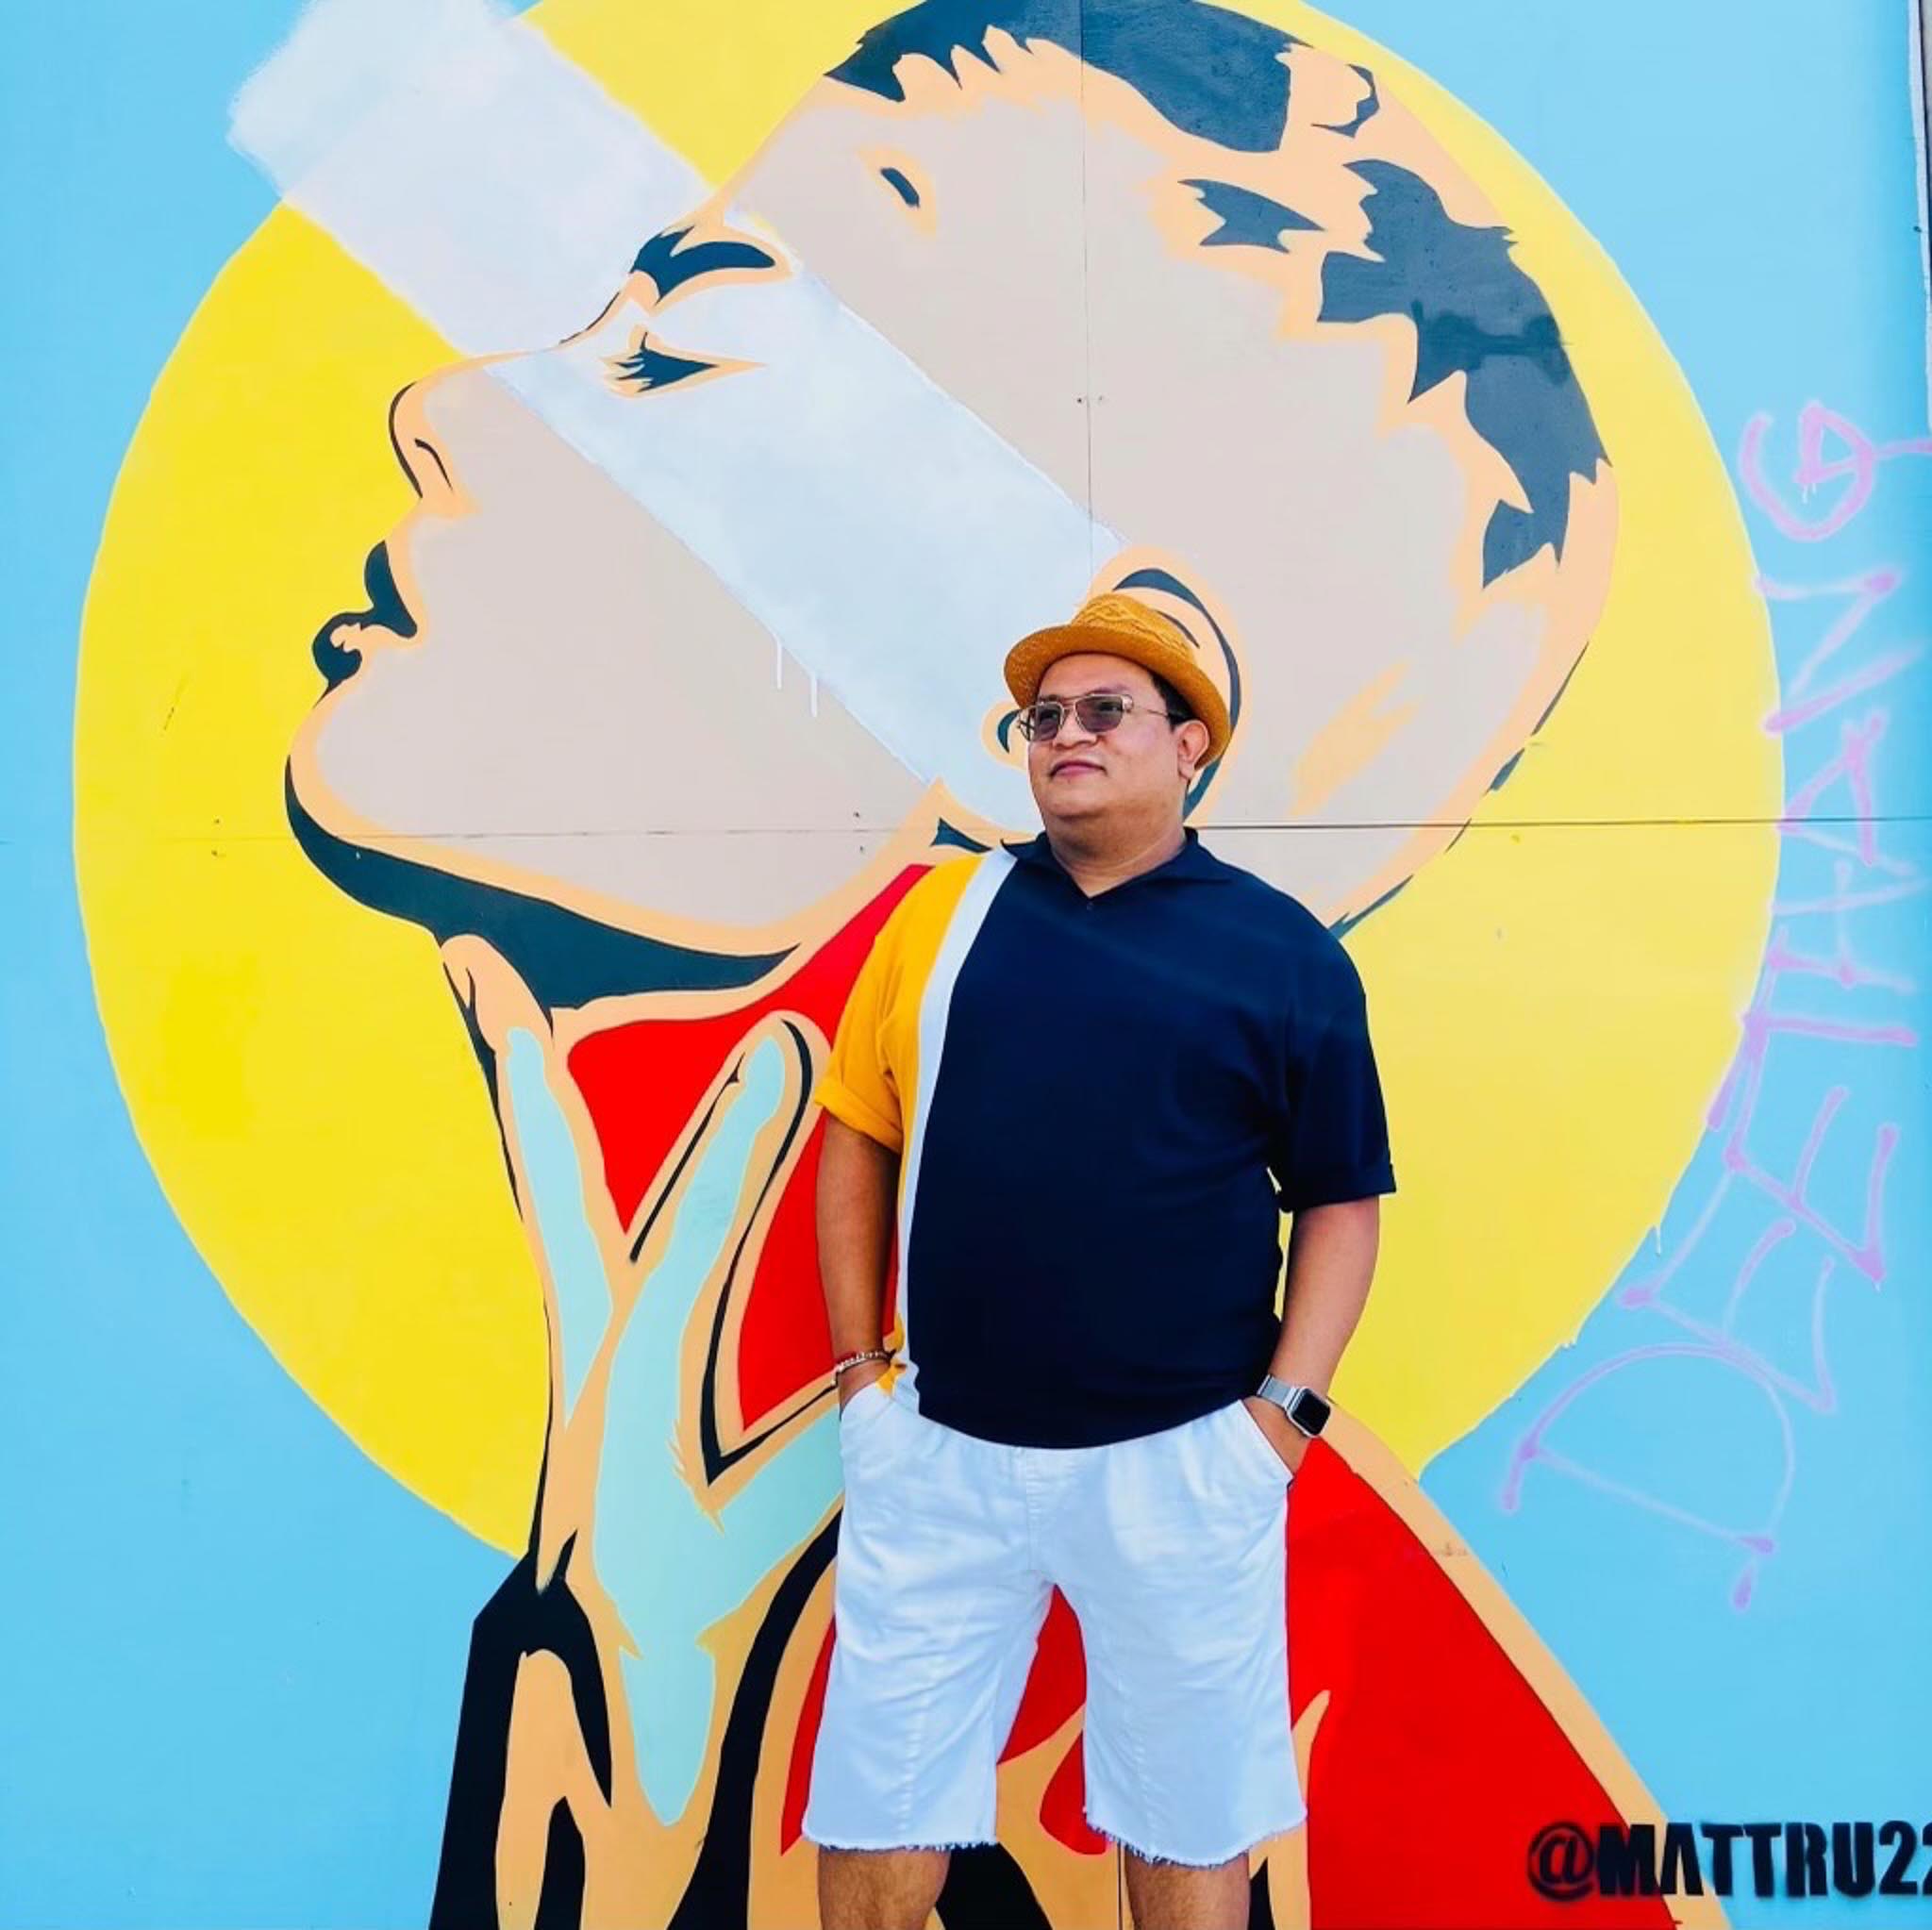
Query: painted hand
{"x": 686, "y": 1519}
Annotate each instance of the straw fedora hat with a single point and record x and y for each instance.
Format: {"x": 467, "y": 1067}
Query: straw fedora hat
{"x": 1117, "y": 624}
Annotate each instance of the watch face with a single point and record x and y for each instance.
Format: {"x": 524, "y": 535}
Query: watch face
{"x": 1308, "y": 1411}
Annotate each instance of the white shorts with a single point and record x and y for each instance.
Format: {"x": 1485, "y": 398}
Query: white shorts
{"x": 1170, "y": 1550}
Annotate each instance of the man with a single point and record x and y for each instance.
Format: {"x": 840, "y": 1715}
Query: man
{"x": 1092, "y": 1069}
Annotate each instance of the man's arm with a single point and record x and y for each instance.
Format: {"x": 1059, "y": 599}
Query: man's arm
{"x": 1331, "y": 1259}
{"x": 859, "y": 1182}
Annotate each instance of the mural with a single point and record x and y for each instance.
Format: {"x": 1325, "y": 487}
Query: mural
{"x": 682, "y": 409}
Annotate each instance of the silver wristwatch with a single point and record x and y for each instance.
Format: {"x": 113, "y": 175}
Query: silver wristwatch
{"x": 1303, "y": 1406}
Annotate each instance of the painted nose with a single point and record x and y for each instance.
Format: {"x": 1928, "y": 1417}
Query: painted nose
{"x": 422, "y": 454}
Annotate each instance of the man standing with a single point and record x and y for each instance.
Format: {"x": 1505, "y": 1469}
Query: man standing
{"x": 1090, "y": 1072}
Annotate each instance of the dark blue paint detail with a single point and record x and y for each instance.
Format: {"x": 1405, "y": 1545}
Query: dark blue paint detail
{"x": 1474, "y": 310}
{"x": 386, "y": 611}
{"x": 1212, "y": 74}
{"x": 565, "y": 959}
{"x": 486, "y": 1059}
{"x": 1343, "y": 926}
{"x": 1503, "y": 776}
{"x": 412, "y": 458}
{"x": 1514, "y": 409}
{"x": 905, "y": 190}
{"x": 1562, "y": 689}
{"x": 946, "y": 835}
{"x": 1366, "y": 109}
{"x": 670, "y": 265}
{"x": 561, "y": 1901}
{"x": 718, "y": 1458}
{"x": 1248, "y": 220}
{"x": 1166, "y": 581}
{"x": 647, "y": 368}
{"x": 525, "y": 1617}
{"x": 985, "y": 1883}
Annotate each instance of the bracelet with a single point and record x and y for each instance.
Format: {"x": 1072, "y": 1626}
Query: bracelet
{"x": 858, "y": 1359}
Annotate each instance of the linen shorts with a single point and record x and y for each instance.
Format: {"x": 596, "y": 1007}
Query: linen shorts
{"x": 1170, "y": 1549}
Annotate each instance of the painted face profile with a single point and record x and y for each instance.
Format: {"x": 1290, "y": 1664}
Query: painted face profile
{"x": 698, "y": 619}
{"x": 691, "y": 647}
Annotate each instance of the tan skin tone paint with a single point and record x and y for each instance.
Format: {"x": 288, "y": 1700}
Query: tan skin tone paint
{"x": 1112, "y": 808}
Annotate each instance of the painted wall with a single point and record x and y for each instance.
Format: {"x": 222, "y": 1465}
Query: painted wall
{"x": 417, "y": 1433}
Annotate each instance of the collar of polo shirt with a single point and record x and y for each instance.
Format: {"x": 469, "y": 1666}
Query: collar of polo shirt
{"x": 1192, "y": 860}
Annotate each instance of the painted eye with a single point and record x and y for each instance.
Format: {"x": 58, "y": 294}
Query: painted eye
{"x": 901, "y": 184}
{"x": 649, "y": 367}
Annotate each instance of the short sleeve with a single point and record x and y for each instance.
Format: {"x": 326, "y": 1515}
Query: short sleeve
{"x": 1331, "y": 1143}
{"x": 858, "y": 1085}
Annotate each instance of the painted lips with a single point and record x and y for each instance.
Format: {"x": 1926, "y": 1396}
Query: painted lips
{"x": 386, "y": 611}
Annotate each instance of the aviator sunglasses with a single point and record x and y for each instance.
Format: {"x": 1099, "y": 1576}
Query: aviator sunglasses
{"x": 1102, "y": 711}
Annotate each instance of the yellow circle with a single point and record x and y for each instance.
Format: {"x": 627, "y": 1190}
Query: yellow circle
{"x": 1555, "y": 998}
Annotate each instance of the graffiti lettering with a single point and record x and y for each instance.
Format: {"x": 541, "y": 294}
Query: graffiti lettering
{"x": 1858, "y": 468}
{"x": 1865, "y": 876}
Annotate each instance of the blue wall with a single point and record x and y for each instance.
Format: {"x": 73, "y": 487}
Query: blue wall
{"x": 214, "y": 1713}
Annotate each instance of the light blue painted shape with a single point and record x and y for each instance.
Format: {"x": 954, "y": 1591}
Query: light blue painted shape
{"x": 671, "y": 1569}
{"x": 554, "y": 1174}
{"x": 232, "y": 1648}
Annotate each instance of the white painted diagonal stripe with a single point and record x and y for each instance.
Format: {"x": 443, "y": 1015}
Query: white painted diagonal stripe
{"x": 891, "y": 541}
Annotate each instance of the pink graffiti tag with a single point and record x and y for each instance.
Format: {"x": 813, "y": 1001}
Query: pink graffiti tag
{"x": 1865, "y": 877}
{"x": 1858, "y": 468}
{"x": 1853, "y": 767}
{"x": 1719, "y": 1342}
{"x": 1867, "y": 593}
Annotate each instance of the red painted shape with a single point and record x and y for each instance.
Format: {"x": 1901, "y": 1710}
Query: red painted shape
{"x": 785, "y": 1342}
{"x": 1057, "y": 1685}
{"x": 798, "y": 1778}
{"x": 1435, "y": 1762}
{"x": 1063, "y": 1807}
{"x": 643, "y": 1080}
{"x": 642, "y": 1083}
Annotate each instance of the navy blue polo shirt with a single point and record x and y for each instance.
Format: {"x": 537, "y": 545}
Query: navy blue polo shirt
{"x": 1104, "y": 1105}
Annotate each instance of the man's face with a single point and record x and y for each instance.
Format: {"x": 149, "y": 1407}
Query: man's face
{"x": 1136, "y": 772}
{"x": 590, "y": 710}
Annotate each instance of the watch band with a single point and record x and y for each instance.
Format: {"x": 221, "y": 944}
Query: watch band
{"x": 1303, "y": 1406}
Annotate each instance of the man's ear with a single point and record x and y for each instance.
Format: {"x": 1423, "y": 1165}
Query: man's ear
{"x": 1191, "y": 747}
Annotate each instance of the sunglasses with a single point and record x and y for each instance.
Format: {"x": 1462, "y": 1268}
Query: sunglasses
{"x": 1105, "y": 710}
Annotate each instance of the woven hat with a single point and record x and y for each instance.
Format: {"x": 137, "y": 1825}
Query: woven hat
{"x": 1121, "y": 626}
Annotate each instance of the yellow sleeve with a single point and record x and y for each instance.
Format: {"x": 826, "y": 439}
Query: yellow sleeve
{"x": 872, "y": 1082}
{"x": 859, "y": 1086}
